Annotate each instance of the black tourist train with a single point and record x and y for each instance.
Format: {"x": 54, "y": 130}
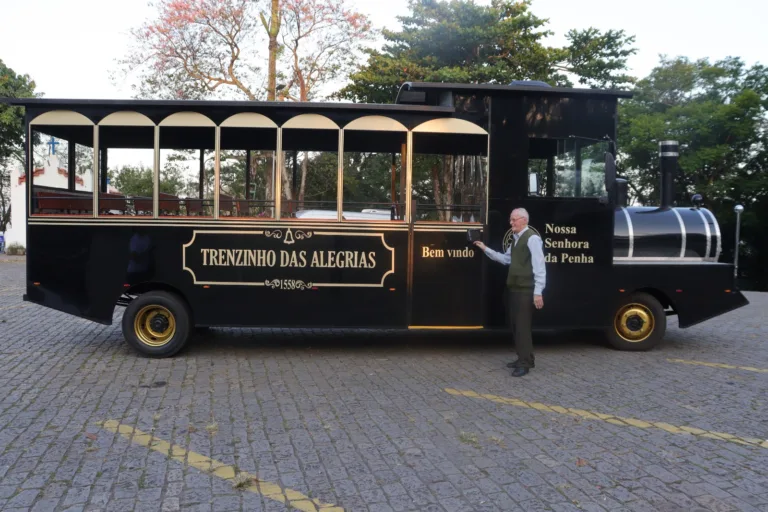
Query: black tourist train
{"x": 240, "y": 213}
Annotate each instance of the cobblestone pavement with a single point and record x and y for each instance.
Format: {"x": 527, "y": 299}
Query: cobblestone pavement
{"x": 269, "y": 420}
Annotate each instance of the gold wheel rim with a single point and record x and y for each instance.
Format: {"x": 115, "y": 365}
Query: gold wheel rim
{"x": 634, "y": 323}
{"x": 154, "y": 325}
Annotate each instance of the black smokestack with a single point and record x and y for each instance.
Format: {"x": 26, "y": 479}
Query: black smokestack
{"x": 668, "y": 153}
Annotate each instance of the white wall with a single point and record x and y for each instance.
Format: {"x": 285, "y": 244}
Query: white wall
{"x": 17, "y": 229}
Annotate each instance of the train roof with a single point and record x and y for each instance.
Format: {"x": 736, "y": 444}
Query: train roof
{"x": 432, "y": 93}
{"x": 236, "y": 104}
{"x": 411, "y": 97}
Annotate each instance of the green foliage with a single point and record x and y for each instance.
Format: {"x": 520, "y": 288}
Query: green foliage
{"x": 12, "y": 118}
{"x": 232, "y": 174}
{"x": 15, "y": 249}
{"x": 137, "y": 181}
{"x": 718, "y": 113}
{"x": 11, "y": 134}
{"x": 459, "y": 41}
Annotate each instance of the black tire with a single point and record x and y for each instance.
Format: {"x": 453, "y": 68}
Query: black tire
{"x": 157, "y": 324}
{"x": 638, "y": 323}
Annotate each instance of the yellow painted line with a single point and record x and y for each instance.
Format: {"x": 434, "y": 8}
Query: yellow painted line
{"x": 719, "y": 365}
{"x": 616, "y": 420}
{"x": 294, "y": 499}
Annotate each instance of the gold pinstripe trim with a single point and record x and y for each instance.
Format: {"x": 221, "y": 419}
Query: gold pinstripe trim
{"x": 447, "y": 327}
{"x": 448, "y": 229}
{"x": 226, "y": 225}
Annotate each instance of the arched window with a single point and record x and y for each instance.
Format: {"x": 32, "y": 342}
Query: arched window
{"x": 310, "y": 167}
{"x": 187, "y": 166}
{"x": 126, "y": 164}
{"x": 61, "y": 164}
{"x": 248, "y": 166}
{"x": 374, "y": 170}
{"x": 449, "y": 171}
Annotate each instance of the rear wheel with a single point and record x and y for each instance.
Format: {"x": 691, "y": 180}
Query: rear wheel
{"x": 639, "y": 323}
{"x": 157, "y": 324}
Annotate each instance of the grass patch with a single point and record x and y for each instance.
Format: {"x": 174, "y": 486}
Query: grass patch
{"x": 241, "y": 481}
{"x": 469, "y": 438}
{"x": 498, "y": 440}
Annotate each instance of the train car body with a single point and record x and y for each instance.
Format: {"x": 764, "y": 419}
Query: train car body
{"x": 464, "y": 156}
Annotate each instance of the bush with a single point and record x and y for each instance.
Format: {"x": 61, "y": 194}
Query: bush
{"x": 15, "y": 249}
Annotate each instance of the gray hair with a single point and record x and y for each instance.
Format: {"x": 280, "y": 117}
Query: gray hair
{"x": 523, "y": 213}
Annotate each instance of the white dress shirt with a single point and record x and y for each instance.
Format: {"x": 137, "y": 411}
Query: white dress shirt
{"x": 535, "y": 245}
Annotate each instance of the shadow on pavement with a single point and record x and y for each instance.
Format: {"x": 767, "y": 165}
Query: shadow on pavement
{"x": 350, "y": 340}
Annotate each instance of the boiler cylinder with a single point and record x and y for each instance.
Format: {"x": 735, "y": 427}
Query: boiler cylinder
{"x": 649, "y": 233}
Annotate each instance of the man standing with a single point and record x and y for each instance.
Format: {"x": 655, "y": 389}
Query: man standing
{"x": 526, "y": 280}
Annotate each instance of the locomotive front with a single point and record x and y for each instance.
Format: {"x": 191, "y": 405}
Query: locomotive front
{"x": 666, "y": 262}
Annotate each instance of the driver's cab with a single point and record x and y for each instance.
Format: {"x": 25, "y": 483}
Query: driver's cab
{"x": 551, "y": 152}
{"x": 575, "y": 167}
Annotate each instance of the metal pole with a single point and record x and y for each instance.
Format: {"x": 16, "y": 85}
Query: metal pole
{"x": 738, "y": 209}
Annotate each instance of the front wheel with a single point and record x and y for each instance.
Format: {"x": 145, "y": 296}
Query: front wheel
{"x": 157, "y": 324}
{"x": 639, "y": 323}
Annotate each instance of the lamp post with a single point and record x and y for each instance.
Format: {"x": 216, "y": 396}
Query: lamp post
{"x": 738, "y": 209}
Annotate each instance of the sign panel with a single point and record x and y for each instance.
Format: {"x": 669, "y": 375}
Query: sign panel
{"x": 561, "y": 243}
{"x": 289, "y": 259}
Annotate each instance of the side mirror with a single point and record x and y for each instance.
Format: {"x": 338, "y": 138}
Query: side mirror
{"x": 533, "y": 184}
{"x": 610, "y": 172}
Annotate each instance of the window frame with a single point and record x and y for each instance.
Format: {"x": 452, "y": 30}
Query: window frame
{"x": 60, "y": 118}
{"x": 365, "y": 122}
{"x": 252, "y": 120}
{"x": 378, "y": 123}
{"x": 453, "y": 126}
{"x": 127, "y": 118}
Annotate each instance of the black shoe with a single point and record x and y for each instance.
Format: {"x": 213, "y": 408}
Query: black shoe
{"x": 516, "y": 364}
{"x": 519, "y": 372}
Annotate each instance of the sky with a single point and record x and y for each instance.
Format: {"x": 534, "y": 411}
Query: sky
{"x": 69, "y": 48}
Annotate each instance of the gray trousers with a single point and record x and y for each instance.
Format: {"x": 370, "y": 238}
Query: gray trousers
{"x": 519, "y": 313}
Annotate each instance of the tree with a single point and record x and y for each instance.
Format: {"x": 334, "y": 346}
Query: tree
{"x": 11, "y": 134}
{"x": 196, "y": 49}
{"x": 321, "y": 38}
{"x": 273, "y": 29}
{"x": 137, "y": 181}
{"x": 718, "y": 112}
{"x": 459, "y": 41}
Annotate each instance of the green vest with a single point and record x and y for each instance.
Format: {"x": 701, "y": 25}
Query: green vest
{"x": 520, "y": 276}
